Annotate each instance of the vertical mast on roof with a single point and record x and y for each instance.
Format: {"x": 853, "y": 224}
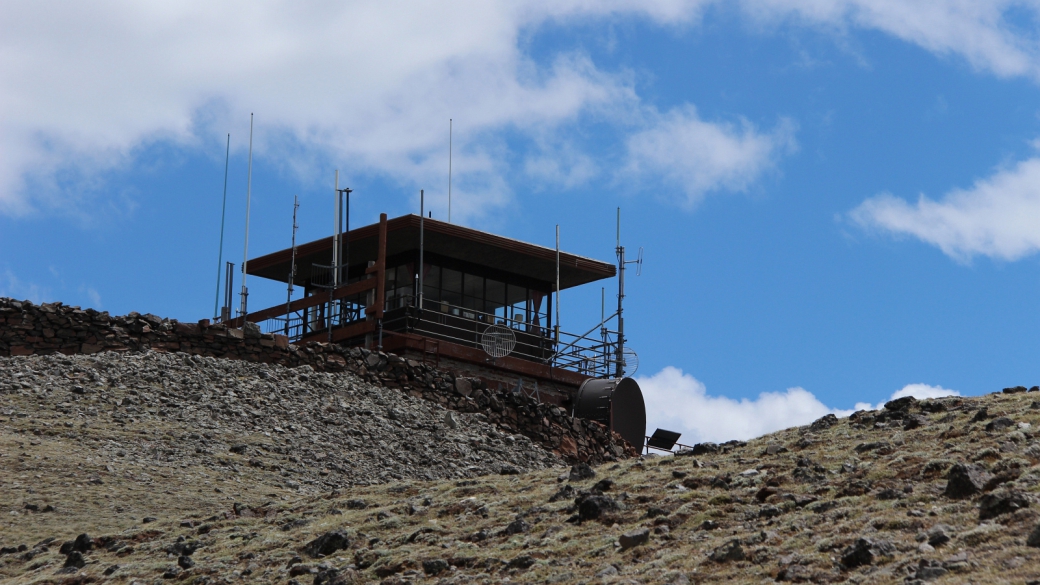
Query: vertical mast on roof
{"x": 422, "y": 216}
{"x": 245, "y": 249}
{"x": 619, "y": 370}
{"x": 292, "y": 265}
{"x": 223, "y": 213}
{"x": 449, "y": 170}
{"x": 557, "y": 283}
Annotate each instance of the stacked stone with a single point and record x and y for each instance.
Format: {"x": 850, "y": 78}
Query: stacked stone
{"x": 30, "y": 329}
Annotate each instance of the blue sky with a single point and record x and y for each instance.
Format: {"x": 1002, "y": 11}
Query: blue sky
{"x": 838, "y": 201}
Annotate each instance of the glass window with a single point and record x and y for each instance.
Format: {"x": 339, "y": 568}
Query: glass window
{"x": 451, "y": 280}
{"x": 495, "y": 298}
{"x": 517, "y": 299}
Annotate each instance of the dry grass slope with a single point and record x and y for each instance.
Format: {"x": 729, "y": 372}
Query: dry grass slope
{"x": 861, "y": 500}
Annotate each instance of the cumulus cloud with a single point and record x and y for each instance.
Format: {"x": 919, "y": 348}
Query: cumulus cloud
{"x": 367, "y": 86}
{"x": 698, "y": 156}
{"x": 995, "y": 217}
{"x": 679, "y": 402}
{"x": 985, "y": 34}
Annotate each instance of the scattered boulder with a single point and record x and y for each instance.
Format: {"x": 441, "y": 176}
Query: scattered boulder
{"x": 999, "y": 424}
{"x": 731, "y": 551}
{"x": 825, "y": 422}
{"x": 595, "y": 506}
{"x": 435, "y": 566}
{"x": 634, "y": 538}
{"x": 1034, "y": 537}
{"x": 704, "y": 449}
{"x": 900, "y": 404}
{"x": 327, "y": 543}
{"x": 1014, "y": 390}
{"x": 185, "y": 562}
{"x": 981, "y": 415}
{"x": 939, "y": 535}
{"x": 965, "y": 480}
{"x": 581, "y": 471}
{"x": 75, "y": 559}
{"x": 864, "y": 551}
{"x": 517, "y": 526}
{"x": 928, "y": 570}
{"x": 914, "y": 421}
{"x": 1001, "y": 502}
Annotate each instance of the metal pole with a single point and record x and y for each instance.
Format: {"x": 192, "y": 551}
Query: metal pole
{"x": 619, "y": 369}
{"x": 557, "y": 283}
{"x": 422, "y": 219}
{"x": 449, "y": 170}
{"x": 223, "y": 213}
{"x": 292, "y": 265}
{"x": 249, "y": 197}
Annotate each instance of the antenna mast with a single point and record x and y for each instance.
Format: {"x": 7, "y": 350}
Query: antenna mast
{"x": 245, "y": 249}
{"x": 223, "y": 213}
{"x": 449, "y": 170}
{"x": 619, "y": 370}
{"x": 422, "y": 218}
{"x": 292, "y": 266}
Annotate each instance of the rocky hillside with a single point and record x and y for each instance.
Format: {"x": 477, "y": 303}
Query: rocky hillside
{"x": 216, "y": 476}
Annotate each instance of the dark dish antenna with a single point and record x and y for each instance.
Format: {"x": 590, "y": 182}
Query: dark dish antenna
{"x": 498, "y": 341}
{"x": 292, "y": 266}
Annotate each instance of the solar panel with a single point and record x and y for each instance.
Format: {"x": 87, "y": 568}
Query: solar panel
{"x": 663, "y": 439}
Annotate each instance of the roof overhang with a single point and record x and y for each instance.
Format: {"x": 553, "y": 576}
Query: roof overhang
{"x": 443, "y": 239}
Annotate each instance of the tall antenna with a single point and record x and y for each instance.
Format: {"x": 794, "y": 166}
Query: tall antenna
{"x": 422, "y": 216}
{"x": 557, "y": 283}
{"x": 292, "y": 265}
{"x": 449, "y": 170}
{"x": 223, "y": 212}
{"x": 249, "y": 197}
{"x": 620, "y": 358}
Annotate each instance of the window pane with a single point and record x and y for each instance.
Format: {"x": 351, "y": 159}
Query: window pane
{"x": 432, "y": 279}
{"x": 496, "y": 294}
{"x": 451, "y": 281}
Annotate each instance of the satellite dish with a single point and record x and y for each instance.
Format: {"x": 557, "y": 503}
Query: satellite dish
{"x": 629, "y": 361}
{"x": 498, "y": 341}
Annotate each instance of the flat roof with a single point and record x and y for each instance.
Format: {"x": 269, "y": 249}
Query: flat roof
{"x": 440, "y": 239}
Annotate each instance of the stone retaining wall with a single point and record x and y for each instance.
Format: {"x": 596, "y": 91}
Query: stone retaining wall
{"x": 29, "y": 329}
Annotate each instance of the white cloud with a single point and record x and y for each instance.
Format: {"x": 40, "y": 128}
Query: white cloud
{"x": 368, "y": 86}
{"x": 679, "y": 402}
{"x": 698, "y": 156}
{"x": 995, "y": 217}
{"x": 984, "y": 33}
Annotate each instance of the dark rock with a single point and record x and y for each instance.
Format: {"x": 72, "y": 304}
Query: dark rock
{"x": 999, "y": 424}
{"x": 83, "y": 543}
{"x": 185, "y": 562}
{"x": 594, "y": 506}
{"x": 75, "y": 559}
{"x": 928, "y": 570}
{"x": 327, "y": 543}
{"x": 981, "y": 415}
{"x": 522, "y": 562}
{"x": 898, "y": 404}
{"x": 731, "y": 551}
{"x": 864, "y": 551}
{"x": 709, "y": 525}
{"x": 634, "y": 538}
{"x": 964, "y": 481}
{"x": 679, "y": 474}
{"x": 603, "y": 485}
{"x": 769, "y": 512}
{"x": 1014, "y": 390}
{"x": 517, "y": 526}
{"x": 998, "y": 503}
{"x": 565, "y": 493}
{"x": 355, "y": 504}
{"x": 914, "y": 421}
{"x": 705, "y": 448}
{"x": 581, "y": 471}
{"x": 1034, "y": 537}
{"x": 239, "y": 449}
{"x": 112, "y": 569}
{"x": 825, "y": 422}
{"x": 434, "y": 566}
{"x": 765, "y": 492}
{"x": 1034, "y": 388}
{"x": 508, "y": 470}
{"x": 939, "y": 535}
{"x": 889, "y": 494}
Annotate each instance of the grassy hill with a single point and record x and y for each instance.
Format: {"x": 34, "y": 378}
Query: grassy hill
{"x": 941, "y": 491}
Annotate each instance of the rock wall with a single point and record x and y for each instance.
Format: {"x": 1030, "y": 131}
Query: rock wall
{"x": 30, "y": 329}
